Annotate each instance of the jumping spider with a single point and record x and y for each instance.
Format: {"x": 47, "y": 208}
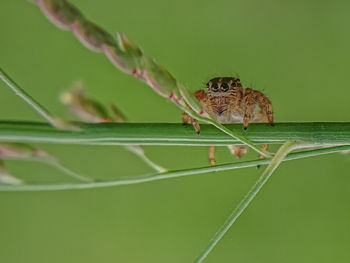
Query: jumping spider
{"x": 227, "y": 102}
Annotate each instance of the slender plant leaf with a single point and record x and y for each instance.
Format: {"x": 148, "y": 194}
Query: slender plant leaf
{"x": 170, "y": 174}
{"x": 320, "y": 134}
{"x": 286, "y": 148}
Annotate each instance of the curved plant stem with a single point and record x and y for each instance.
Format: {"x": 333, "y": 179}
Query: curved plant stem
{"x": 327, "y": 133}
{"x": 170, "y": 174}
{"x": 286, "y": 148}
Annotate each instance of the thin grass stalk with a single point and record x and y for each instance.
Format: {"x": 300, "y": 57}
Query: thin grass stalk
{"x": 286, "y": 148}
{"x": 170, "y": 174}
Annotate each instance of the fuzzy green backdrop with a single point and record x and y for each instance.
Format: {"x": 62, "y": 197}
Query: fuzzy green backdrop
{"x": 297, "y": 52}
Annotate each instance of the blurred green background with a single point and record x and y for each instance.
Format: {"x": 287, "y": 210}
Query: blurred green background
{"x": 297, "y": 52}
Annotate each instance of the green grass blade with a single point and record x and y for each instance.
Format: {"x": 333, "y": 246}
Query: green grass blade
{"x": 170, "y": 174}
{"x": 275, "y": 162}
{"x": 326, "y": 133}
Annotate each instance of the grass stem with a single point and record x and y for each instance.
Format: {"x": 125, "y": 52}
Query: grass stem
{"x": 277, "y": 159}
{"x": 170, "y": 174}
{"x": 326, "y": 133}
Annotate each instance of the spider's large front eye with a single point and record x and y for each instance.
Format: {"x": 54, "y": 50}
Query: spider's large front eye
{"x": 214, "y": 87}
{"x": 224, "y": 87}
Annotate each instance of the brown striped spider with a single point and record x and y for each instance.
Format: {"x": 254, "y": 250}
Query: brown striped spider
{"x": 227, "y": 102}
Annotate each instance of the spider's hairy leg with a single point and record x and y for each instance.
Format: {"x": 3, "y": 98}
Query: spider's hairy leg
{"x": 238, "y": 150}
{"x": 261, "y": 116}
{"x": 253, "y": 98}
{"x": 187, "y": 119}
{"x": 265, "y": 106}
{"x": 201, "y": 96}
{"x": 212, "y": 155}
{"x": 236, "y": 102}
{"x": 264, "y": 147}
{"x": 248, "y": 106}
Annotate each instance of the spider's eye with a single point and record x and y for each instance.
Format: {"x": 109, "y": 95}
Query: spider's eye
{"x": 208, "y": 85}
{"x": 224, "y": 87}
{"x": 214, "y": 87}
{"x": 233, "y": 84}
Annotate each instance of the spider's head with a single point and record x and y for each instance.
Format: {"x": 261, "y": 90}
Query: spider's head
{"x": 222, "y": 86}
